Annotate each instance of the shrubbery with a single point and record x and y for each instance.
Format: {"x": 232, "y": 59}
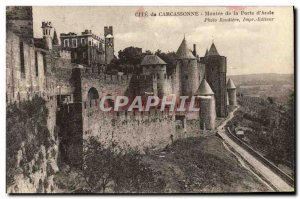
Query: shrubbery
{"x": 25, "y": 123}
{"x": 272, "y": 129}
{"x": 119, "y": 171}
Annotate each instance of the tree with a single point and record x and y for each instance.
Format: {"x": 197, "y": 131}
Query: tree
{"x": 114, "y": 65}
{"x": 271, "y": 100}
{"x": 131, "y": 55}
{"x": 98, "y": 166}
{"x": 123, "y": 170}
{"x": 169, "y": 58}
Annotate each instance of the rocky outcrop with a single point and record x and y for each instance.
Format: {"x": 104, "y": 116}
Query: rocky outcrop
{"x": 32, "y": 162}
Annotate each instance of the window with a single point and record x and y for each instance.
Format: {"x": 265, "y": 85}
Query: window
{"x": 75, "y": 55}
{"x": 186, "y": 77}
{"x": 22, "y": 60}
{"x": 83, "y": 41}
{"x": 36, "y": 65}
{"x": 84, "y": 55}
{"x": 66, "y": 43}
{"x": 74, "y": 43}
{"x": 44, "y": 63}
{"x": 90, "y": 43}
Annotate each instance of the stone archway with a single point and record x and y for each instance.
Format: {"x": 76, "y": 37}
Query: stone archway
{"x": 92, "y": 94}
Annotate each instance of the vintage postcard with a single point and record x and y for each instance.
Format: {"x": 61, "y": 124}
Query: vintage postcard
{"x": 147, "y": 100}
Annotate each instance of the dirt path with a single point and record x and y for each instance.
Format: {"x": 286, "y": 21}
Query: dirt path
{"x": 231, "y": 114}
{"x": 267, "y": 173}
{"x": 244, "y": 164}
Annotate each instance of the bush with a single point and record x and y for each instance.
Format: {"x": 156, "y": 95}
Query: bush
{"x": 126, "y": 171}
{"x": 26, "y": 123}
{"x": 35, "y": 168}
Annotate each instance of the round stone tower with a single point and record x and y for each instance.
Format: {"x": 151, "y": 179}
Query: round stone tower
{"x": 157, "y": 68}
{"x": 47, "y": 27}
{"x": 231, "y": 90}
{"x": 215, "y": 74}
{"x": 188, "y": 69}
{"x": 207, "y": 111}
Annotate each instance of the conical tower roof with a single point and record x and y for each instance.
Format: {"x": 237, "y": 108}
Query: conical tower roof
{"x": 206, "y": 53}
{"x": 204, "y": 89}
{"x": 213, "y": 50}
{"x": 152, "y": 60}
{"x": 55, "y": 39}
{"x": 184, "y": 52}
{"x": 230, "y": 84}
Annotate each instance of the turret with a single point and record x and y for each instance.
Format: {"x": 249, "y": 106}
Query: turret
{"x": 189, "y": 74}
{"x": 207, "y": 111}
{"x": 109, "y": 44}
{"x": 55, "y": 39}
{"x": 206, "y": 53}
{"x": 154, "y": 66}
{"x": 215, "y": 73}
{"x": 231, "y": 90}
{"x": 195, "y": 50}
{"x": 47, "y": 27}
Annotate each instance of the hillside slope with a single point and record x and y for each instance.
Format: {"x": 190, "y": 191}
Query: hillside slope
{"x": 203, "y": 165}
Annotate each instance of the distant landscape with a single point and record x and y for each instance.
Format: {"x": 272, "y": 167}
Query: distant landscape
{"x": 268, "y": 124}
{"x": 276, "y": 86}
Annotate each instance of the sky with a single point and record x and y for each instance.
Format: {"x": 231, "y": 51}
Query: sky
{"x": 250, "y": 47}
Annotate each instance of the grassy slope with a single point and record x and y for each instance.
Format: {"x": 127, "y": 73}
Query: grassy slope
{"x": 192, "y": 165}
{"x": 203, "y": 165}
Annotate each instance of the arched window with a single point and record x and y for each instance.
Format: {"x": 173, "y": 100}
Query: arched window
{"x": 93, "y": 94}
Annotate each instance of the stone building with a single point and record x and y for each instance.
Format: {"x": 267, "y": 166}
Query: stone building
{"x": 86, "y": 49}
{"x": 19, "y": 21}
{"x": 188, "y": 70}
{"x": 32, "y": 66}
{"x": 109, "y": 44}
{"x": 70, "y": 76}
{"x": 207, "y": 111}
{"x": 215, "y": 73}
{"x": 156, "y": 68}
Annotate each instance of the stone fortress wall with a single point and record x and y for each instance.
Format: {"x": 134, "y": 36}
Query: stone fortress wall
{"x": 74, "y": 91}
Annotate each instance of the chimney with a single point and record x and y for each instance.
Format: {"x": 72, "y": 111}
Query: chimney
{"x": 195, "y": 51}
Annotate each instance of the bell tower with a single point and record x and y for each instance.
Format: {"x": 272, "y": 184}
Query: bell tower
{"x": 47, "y": 28}
{"x": 109, "y": 44}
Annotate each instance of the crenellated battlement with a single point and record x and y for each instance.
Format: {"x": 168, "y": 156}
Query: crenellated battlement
{"x": 152, "y": 77}
{"x": 91, "y": 109}
{"x": 98, "y": 73}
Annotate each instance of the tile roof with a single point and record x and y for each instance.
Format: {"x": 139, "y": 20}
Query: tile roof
{"x": 184, "y": 52}
{"x": 230, "y": 84}
{"x": 152, "y": 60}
{"x": 204, "y": 89}
{"x": 212, "y": 50}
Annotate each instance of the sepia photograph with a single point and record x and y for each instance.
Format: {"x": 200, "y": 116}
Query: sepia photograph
{"x": 150, "y": 100}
